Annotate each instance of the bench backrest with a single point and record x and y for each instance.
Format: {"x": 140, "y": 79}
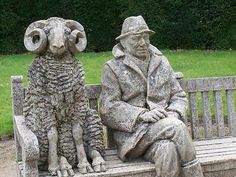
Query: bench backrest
{"x": 211, "y": 113}
{"x": 211, "y": 91}
{"x": 207, "y": 97}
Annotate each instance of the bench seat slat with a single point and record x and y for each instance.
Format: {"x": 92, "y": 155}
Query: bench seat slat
{"x": 215, "y": 141}
{"x": 216, "y": 146}
{"x": 211, "y": 161}
{"x": 217, "y": 154}
{"x": 217, "y": 150}
{"x": 219, "y": 113}
{"x": 119, "y": 163}
{"x": 217, "y": 159}
{"x": 129, "y": 170}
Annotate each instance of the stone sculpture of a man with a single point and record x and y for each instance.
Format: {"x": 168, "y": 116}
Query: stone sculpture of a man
{"x": 143, "y": 103}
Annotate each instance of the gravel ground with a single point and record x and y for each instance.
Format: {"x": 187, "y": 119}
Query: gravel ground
{"x": 7, "y": 158}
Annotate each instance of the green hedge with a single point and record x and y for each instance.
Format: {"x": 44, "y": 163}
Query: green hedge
{"x": 184, "y": 24}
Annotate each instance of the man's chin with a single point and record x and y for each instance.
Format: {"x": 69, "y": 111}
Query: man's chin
{"x": 141, "y": 54}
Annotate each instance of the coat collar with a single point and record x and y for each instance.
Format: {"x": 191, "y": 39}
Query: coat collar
{"x": 155, "y": 54}
{"x": 129, "y": 62}
{"x": 155, "y": 59}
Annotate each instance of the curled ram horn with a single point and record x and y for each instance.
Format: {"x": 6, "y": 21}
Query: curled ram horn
{"x": 35, "y": 39}
{"x": 77, "y": 39}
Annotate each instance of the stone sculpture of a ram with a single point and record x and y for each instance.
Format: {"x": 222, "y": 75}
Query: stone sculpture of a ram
{"x": 56, "y": 107}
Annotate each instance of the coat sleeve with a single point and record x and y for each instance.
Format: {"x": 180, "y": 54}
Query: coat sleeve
{"x": 116, "y": 113}
{"x": 178, "y": 100}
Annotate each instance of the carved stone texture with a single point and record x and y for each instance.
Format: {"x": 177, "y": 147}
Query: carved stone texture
{"x": 144, "y": 105}
{"x": 56, "y": 107}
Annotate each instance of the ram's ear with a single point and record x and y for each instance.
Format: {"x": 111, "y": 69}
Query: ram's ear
{"x": 77, "y": 39}
{"x": 35, "y": 39}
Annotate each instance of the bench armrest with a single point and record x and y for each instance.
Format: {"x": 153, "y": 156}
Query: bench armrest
{"x": 27, "y": 140}
{"x": 28, "y": 143}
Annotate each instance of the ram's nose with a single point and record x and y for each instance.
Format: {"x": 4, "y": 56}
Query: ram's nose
{"x": 58, "y": 46}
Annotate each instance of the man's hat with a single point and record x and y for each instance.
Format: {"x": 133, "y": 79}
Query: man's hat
{"x": 134, "y": 25}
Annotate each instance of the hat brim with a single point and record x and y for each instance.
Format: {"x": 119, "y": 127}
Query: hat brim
{"x": 139, "y": 32}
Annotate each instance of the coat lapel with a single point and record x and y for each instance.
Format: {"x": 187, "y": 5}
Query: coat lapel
{"x": 155, "y": 59}
{"x": 131, "y": 64}
{"x": 154, "y": 63}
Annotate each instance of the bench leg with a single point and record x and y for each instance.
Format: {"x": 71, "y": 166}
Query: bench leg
{"x": 18, "y": 154}
{"x": 18, "y": 150}
{"x": 30, "y": 169}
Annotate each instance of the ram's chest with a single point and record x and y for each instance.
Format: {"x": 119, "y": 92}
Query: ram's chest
{"x": 56, "y": 82}
{"x": 63, "y": 77}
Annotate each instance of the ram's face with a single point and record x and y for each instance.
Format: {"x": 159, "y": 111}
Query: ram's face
{"x": 57, "y": 40}
{"x": 55, "y": 35}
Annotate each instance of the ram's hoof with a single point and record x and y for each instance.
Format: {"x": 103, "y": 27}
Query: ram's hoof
{"x": 99, "y": 165}
{"x": 85, "y": 167}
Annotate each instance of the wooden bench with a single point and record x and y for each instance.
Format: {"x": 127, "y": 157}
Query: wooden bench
{"x": 214, "y": 136}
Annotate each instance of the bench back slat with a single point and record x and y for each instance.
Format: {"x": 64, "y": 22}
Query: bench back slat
{"x": 194, "y": 114}
{"x": 231, "y": 112}
{"x": 219, "y": 117}
{"x": 17, "y": 94}
{"x": 93, "y": 91}
{"x": 207, "y": 121}
{"x": 93, "y": 103}
{"x": 208, "y": 84}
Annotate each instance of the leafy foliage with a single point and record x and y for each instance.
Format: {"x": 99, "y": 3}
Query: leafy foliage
{"x": 201, "y": 24}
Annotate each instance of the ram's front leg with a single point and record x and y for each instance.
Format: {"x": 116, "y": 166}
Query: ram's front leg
{"x": 99, "y": 163}
{"x": 53, "y": 164}
{"x": 83, "y": 165}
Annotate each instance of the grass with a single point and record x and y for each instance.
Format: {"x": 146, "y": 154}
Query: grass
{"x": 192, "y": 63}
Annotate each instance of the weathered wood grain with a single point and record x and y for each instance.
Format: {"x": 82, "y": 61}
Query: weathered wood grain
{"x": 225, "y": 173}
{"x": 206, "y": 84}
{"x": 93, "y": 91}
{"x": 219, "y": 113}
{"x": 194, "y": 114}
{"x": 217, "y": 156}
{"x": 110, "y": 140}
{"x": 29, "y": 147}
{"x": 206, "y": 114}
{"x": 231, "y": 112}
{"x": 214, "y": 163}
{"x": 216, "y": 146}
{"x": 17, "y": 94}
{"x": 93, "y": 103}
{"x": 216, "y": 141}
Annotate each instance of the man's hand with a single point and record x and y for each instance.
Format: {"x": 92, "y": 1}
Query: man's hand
{"x": 173, "y": 114}
{"x": 153, "y": 115}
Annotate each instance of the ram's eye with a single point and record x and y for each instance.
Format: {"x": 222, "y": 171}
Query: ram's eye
{"x": 47, "y": 30}
{"x": 67, "y": 31}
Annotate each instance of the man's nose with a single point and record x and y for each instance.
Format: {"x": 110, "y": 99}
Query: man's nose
{"x": 142, "y": 42}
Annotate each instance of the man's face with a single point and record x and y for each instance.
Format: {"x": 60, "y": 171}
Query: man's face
{"x": 137, "y": 45}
